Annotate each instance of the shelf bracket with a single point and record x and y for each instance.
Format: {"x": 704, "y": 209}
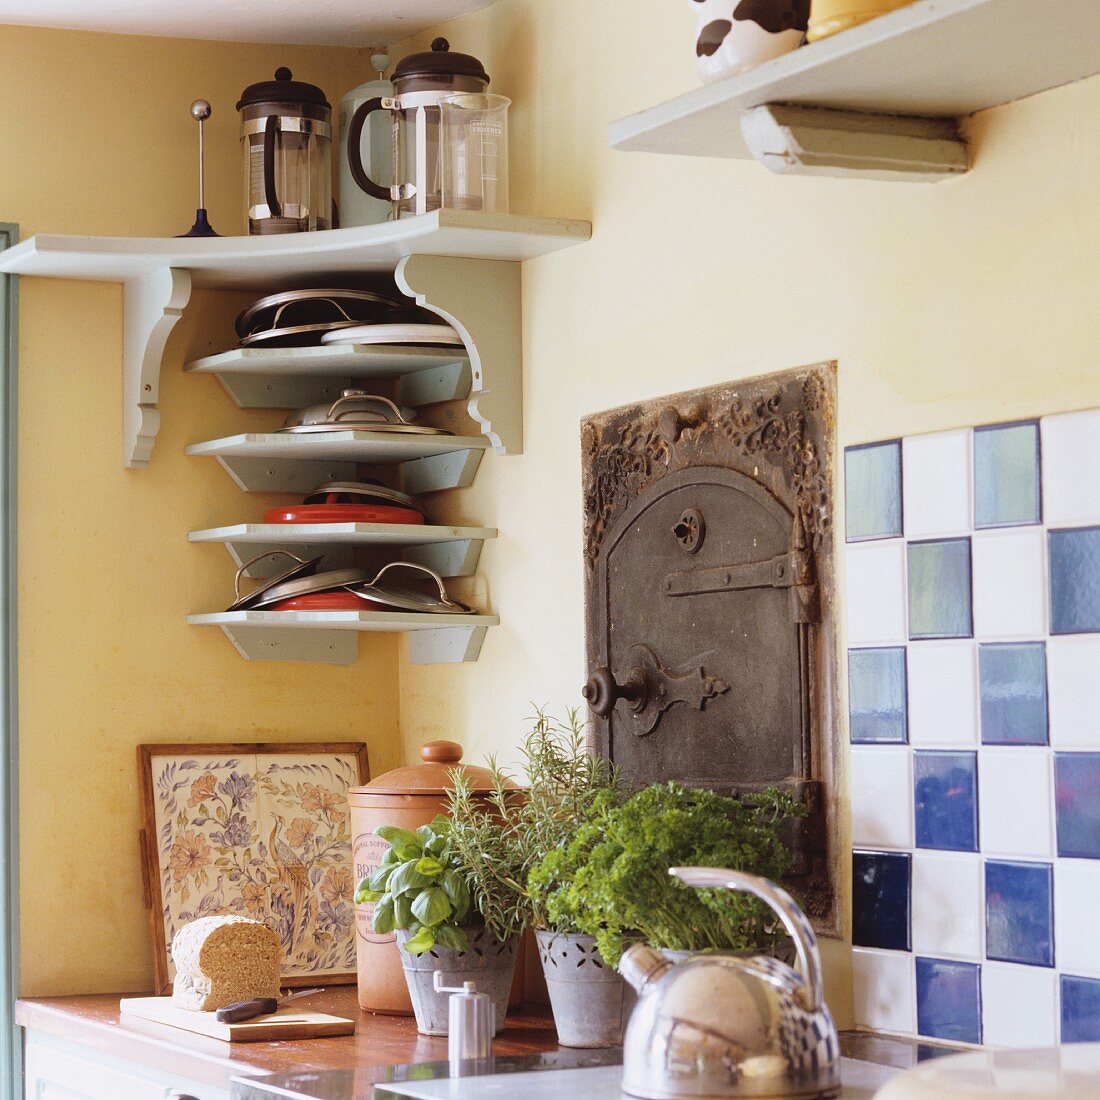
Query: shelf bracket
{"x": 482, "y": 300}
{"x": 818, "y": 141}
{"x": 152, "y": 304}
{"x": 451, "y": 645}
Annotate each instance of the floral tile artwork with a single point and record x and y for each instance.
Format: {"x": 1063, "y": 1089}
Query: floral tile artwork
{"x": 262, "y": 836}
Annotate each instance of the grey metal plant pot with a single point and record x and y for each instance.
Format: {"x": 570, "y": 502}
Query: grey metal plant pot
{"x": 489, "y": 962}
{"x": 591, "y": 1001}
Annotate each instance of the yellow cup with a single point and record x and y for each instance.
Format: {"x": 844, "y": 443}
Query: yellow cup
{"x": 830, "y": 16}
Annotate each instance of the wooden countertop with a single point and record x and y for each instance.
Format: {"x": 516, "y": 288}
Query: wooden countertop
{"x": 94, "y": 1021}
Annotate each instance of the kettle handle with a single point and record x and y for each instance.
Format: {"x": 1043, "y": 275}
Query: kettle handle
{"x": 354, "y": 150}
{"x": 271, "y": 128}
{"x": 785, "y": 907}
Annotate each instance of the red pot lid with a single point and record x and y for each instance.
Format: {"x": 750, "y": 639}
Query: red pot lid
{"x": 343, "y": 513}
{"x": 338, "y": 600}
{"x": 432, "y": 776}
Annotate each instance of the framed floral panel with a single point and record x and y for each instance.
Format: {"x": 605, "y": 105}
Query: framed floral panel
{"x": 256, "y": 830}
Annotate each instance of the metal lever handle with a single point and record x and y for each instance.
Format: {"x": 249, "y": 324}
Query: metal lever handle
{"x": 603, "y": 691}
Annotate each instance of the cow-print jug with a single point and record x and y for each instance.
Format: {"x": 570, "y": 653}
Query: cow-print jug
{"x": 732, "y": 36}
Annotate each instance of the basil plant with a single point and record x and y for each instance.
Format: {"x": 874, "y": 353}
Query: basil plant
{"x": 419, "y": 888}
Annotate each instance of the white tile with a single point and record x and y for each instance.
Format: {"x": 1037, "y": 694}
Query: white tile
{"x": 1073, "y": 678}
{"x": 1010, "y": 583}
{"x": 875, "y": 592}
{"x": 936, "y": 483}
{"x": 947, "y": 905}
{"x": 943, "y": 694}
{"x": 884, "y": 990}
{"x": 1077, "y": 916}
{"x": 1071, "y": 457}
{"x": 1019, "y": 1005}
{"x": 1014, "y": 802}
{"x": 882, "y": 797}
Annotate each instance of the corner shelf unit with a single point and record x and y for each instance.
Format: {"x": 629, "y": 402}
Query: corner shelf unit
{"x": 462, "y": 266}
{"x": 932, "y": 59}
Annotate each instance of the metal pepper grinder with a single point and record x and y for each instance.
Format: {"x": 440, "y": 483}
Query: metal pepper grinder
{"x": 469, "y": 1022}
{"x": 200, "y": 112}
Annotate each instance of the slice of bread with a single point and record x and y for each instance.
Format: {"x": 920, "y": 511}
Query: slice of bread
{"x": 222, "y": 960}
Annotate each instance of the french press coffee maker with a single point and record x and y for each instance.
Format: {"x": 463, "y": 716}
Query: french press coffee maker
{"x": 421, "y": 81}
{"x": 286, "y": 135}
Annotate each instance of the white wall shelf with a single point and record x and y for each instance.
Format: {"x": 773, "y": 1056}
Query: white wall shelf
{"x": 450, "y": 551}
{"x": 461, "y": 265}
{"x": 329, "y": 637}
{"x": 299, "y": 463}
{"x": 288, "y": 378}
{"x": 932, "y": 58}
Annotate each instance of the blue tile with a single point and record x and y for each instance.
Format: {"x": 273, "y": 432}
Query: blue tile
{"x": 1077, "y": 803}
{"x": 945, "y": 800}
{"x": 1006, "y": 475}
{"x": 1075, "y": 580}
{"x": 880, "y": 900}
{"x": 877, "y": 695}
{"x": 939, "y": 589}
{"x": 1080, "y": 1010}
{"x": 872, "y": 496}
{"x": 1019, "y": 912}
{"x": 949, "y": 1000}
{"x": 1014, "y": 693}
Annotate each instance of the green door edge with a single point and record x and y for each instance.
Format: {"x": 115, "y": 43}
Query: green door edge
{"x": 11, "y": 1045}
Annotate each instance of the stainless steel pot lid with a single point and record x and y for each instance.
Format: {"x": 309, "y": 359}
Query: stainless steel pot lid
{"x": 356, "y": 411}
{"x": 370, "y": 491}
{"x": 306, "y": 586}
{"x": 303, "y": 568}
{"x": 294, "y": 308}
{"x": 401, "y": 598}
{"x": 357, "y": 426}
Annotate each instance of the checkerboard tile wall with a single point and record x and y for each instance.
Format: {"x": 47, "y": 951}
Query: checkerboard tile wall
{"x": 973, "y": 615}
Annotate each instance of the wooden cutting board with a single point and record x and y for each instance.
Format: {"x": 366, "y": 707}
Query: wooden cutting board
{"x": 287, "y": 1023}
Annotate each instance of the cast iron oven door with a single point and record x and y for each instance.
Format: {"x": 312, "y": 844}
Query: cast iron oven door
{"x": 704, "y": 588}
{"x": 708, "y": 597}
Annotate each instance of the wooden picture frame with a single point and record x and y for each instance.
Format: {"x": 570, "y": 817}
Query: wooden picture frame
{"x": 259, "y": 830}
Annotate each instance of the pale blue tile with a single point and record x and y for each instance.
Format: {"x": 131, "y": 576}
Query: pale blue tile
{"x": 872, "y": 495}
{"x": 1019, "y": 912}
{"x": 877, "y": 695}
{"x": 1014, "y": 693}
{"x": 1080, "y": 1009}
{"x": 1006, "y": 475}
{"x": 949, "y": 1000}
{"x": 940, "y": 604}
{"x": 1077, "y": 803}
{"x": 881, "y": 899}
{"x": 1075, "y": 580}
{"x": 945, "y": 800}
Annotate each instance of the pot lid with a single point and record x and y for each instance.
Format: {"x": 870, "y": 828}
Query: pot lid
{"x": 439, "y": 61}
{"x": 369, "y": 489}
{"x": 304, "y": 586}
{"x": 432, "y": 776}
{"x": 283, "y": 89}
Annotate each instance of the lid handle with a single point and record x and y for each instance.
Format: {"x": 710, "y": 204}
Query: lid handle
{"x": 441, "y": 752}
{"x": 440, "y": 45}
{"x": 252, "y": 561}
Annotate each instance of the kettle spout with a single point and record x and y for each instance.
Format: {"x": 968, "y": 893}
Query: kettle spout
{"x": 641, "y": 965}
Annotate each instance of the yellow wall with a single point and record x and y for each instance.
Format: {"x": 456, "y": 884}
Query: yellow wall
{"x": 945, "y": 305}
{"x": 99, "y": 140}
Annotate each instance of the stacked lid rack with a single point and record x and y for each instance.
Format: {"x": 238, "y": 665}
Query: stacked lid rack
{"x": 465, "y": 267}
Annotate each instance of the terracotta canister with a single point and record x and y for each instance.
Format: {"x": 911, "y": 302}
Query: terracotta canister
{"x": 732, "y": 36}
{"x": 407, "y": 797}
{"x": 830, "y": 16}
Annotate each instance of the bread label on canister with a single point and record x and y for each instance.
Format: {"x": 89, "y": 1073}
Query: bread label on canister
{"x": 368, "y": 851}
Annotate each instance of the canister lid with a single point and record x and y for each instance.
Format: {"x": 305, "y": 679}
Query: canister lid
{"x": 432, "y": 776}
{"x": 283, "y": 89}
{"x": 439, "y": 61}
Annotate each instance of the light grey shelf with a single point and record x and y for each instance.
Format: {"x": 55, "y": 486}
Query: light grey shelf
{"x": 450, "y": 551}
{"x": 932, "y": 58}
{"x": 329, "y": 637}
{"x": 299, "y": 463}
{"x": 288, "y": 378}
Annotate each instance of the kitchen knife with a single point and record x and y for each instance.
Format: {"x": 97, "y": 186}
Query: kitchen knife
{"x": 258, "y": 1006}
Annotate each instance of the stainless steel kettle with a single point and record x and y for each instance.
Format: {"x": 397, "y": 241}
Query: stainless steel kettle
{"x": 723, "y": 1026}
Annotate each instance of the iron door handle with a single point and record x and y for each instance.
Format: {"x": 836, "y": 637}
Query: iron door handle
{"x": 603, "y": 691}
